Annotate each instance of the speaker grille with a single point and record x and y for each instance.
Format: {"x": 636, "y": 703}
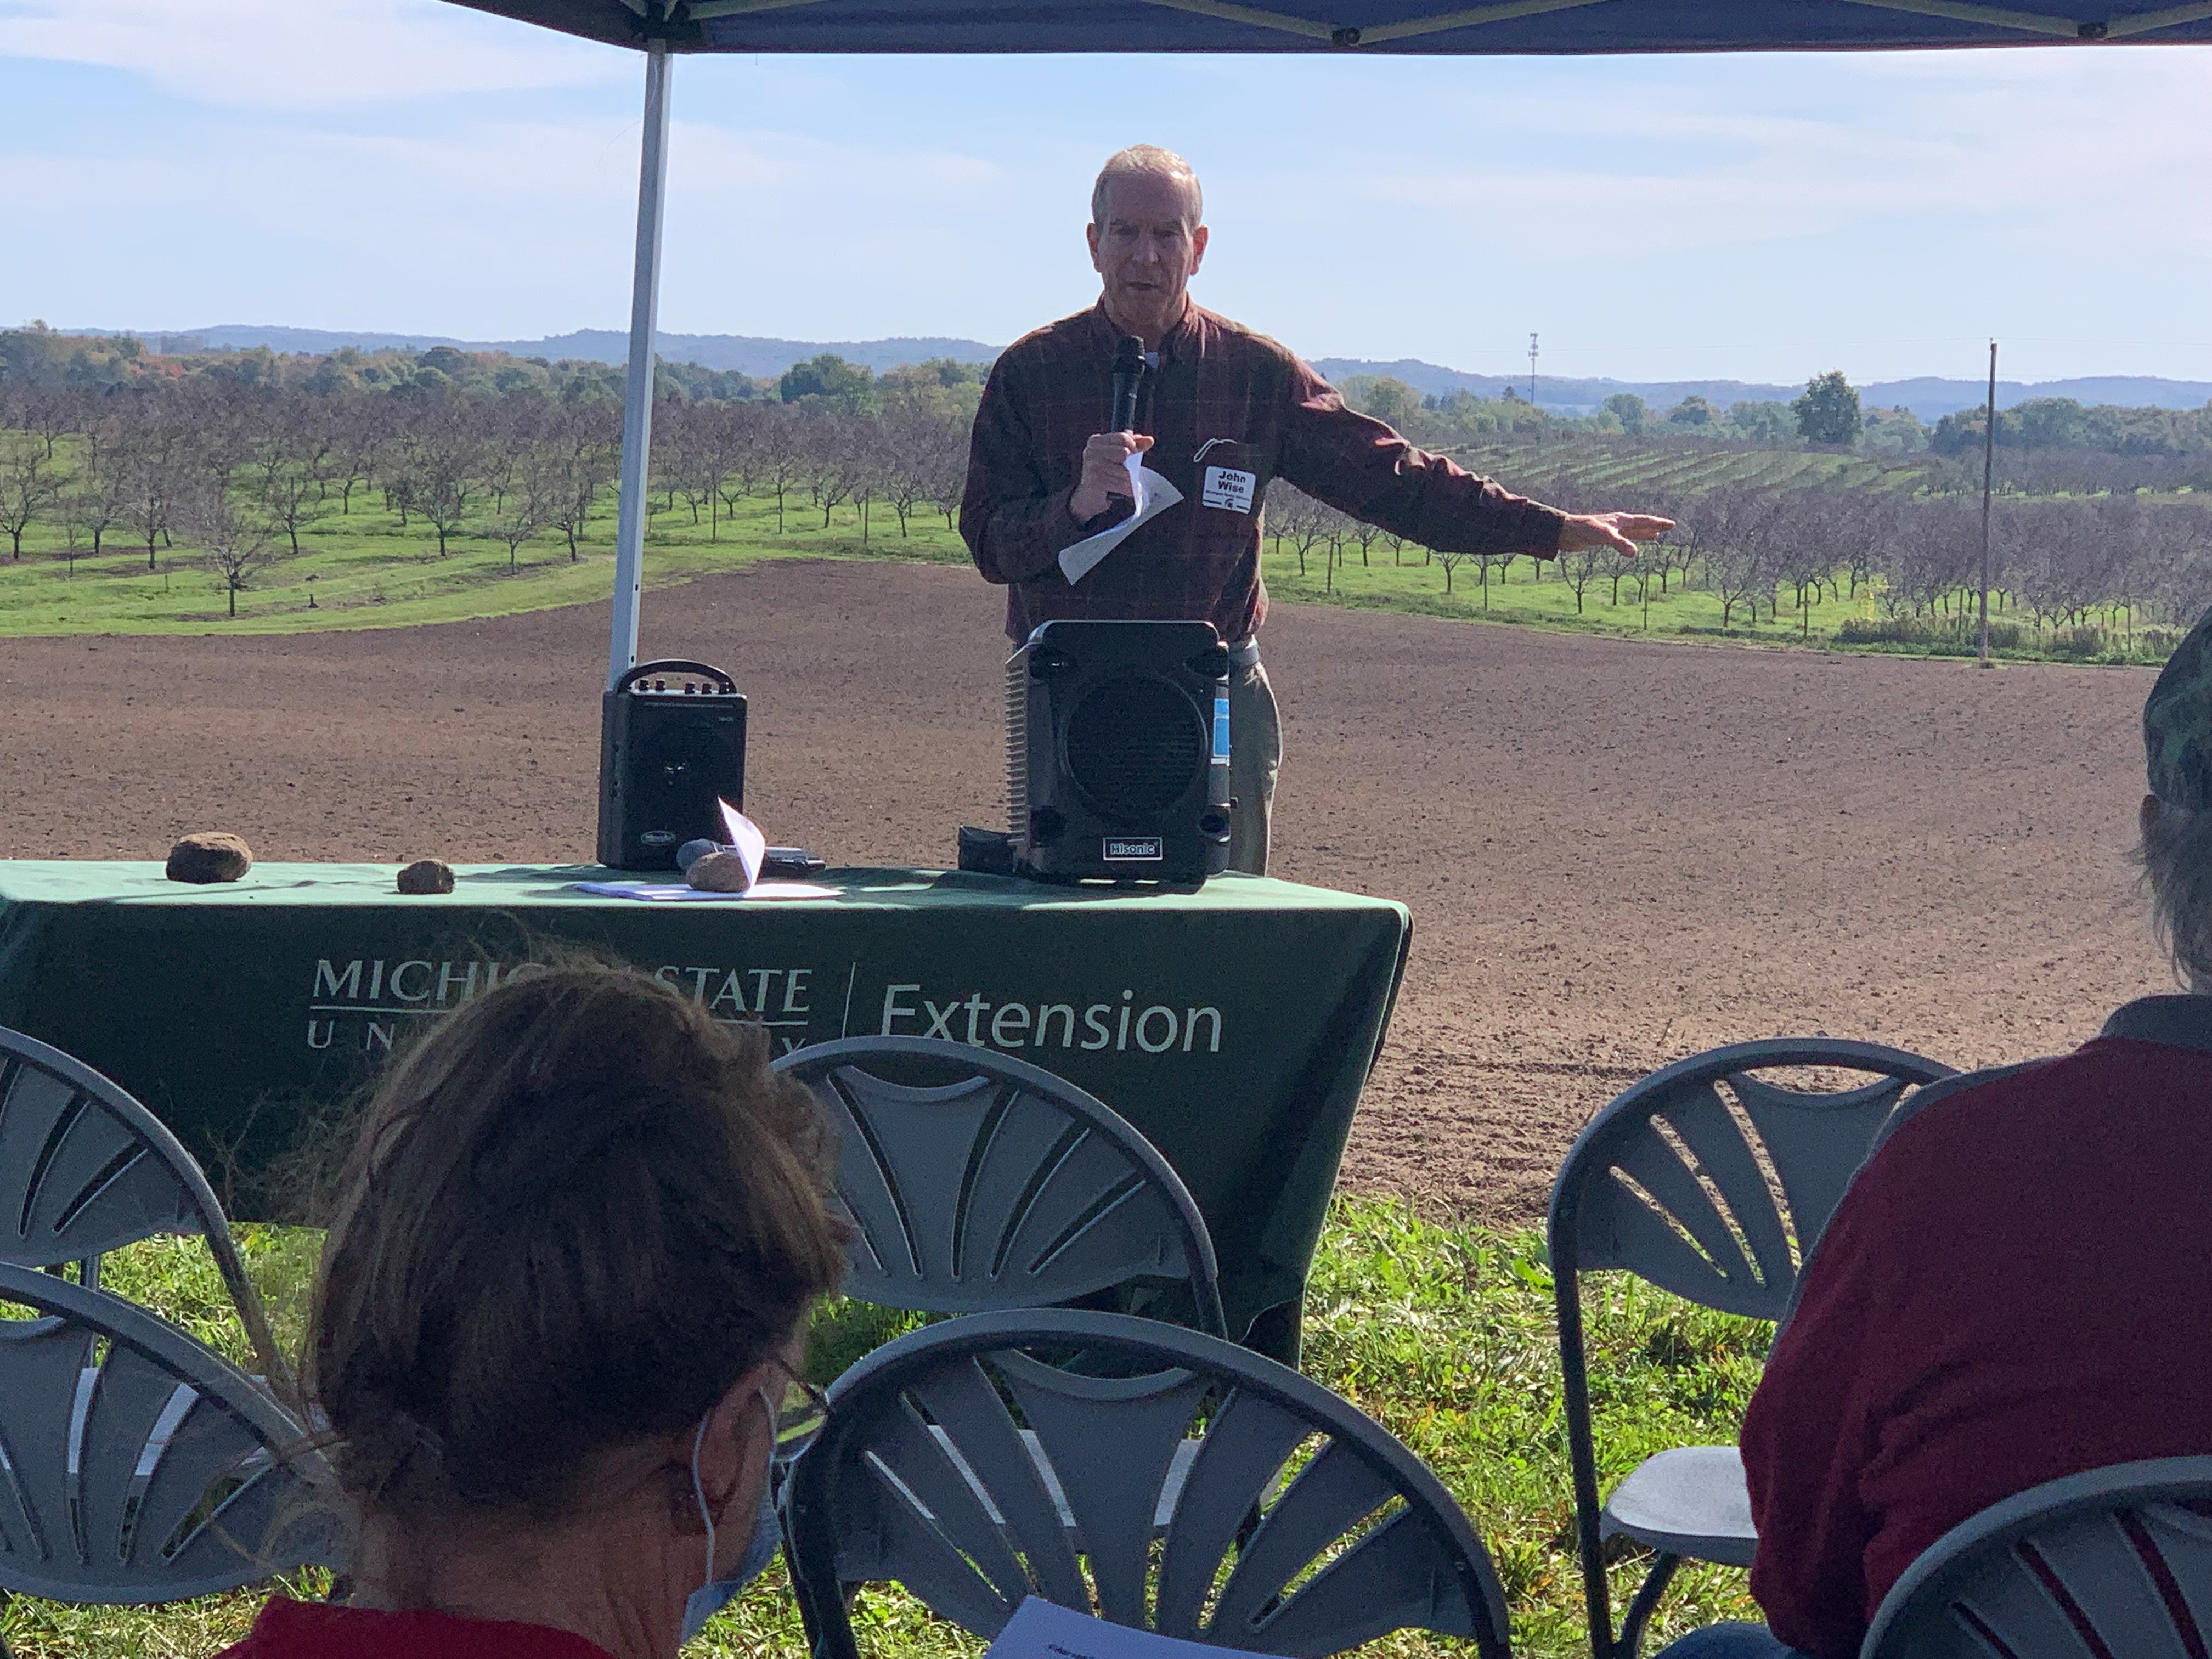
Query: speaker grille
{"x": 1018, "y": 744}
{"x": 1134, "y": 746}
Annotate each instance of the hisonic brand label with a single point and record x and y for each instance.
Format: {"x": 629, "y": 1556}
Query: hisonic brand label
{"x": 1134, "y": 849}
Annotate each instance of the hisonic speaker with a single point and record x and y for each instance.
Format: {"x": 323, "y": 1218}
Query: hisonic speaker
{"x": 1117, "y": 751}
{"x": 672, "y": 743}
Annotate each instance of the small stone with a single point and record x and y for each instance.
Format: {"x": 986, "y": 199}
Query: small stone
{"x": 719, "y": 873}
{"x": 427, "y": 876}
{"x": 210, "y": 856}
{"x": 692, "y": 851}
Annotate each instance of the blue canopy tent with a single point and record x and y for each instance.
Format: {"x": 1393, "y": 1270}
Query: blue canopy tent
{"x": 660, "y": 29}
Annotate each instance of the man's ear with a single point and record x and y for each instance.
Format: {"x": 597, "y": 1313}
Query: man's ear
{"x": 2147, "y": 816}
{"x": 1091, "y": 236}
{"x": 1198, "y": 239}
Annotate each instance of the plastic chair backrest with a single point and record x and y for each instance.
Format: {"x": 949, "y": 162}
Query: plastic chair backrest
{"x": 85, "y": 1169}
{"x": 2106, "y": 1564}
{"x": 1719, "y": 1202}
{"x": 1723, "y": 1205}
{"x": 140, "y": 1465}
{"x": 1219, "y": 1496}
{"x": 999, "y": 1186}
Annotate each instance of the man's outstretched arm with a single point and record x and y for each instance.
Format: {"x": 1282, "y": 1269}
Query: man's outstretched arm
{"x": 1360, "y": 466}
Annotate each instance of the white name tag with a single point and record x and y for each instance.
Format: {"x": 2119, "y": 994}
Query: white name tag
{"x": 1227, "y": 487}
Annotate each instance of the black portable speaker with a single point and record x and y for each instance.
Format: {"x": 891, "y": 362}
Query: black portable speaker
{"x": 671, "y": 746}
{"x": 1117, "y": 751}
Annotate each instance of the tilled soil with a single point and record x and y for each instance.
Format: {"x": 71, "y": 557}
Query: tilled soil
{"x": 1616, "y": 852}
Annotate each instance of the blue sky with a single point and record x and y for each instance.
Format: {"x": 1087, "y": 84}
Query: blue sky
{"x": 410, "y": 166}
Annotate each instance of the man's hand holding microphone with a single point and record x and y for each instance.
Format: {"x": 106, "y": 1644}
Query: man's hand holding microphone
{"x": 1105, "y": 474}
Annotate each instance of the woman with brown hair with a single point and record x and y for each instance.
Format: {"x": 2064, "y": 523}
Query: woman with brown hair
{"x": 557, "y": 1325}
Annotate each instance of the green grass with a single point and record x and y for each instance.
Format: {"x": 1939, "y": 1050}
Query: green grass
{"x": 1443, "y": 1333}
{"x": 361, "y": 569}
{"x": 1532, "y": 594}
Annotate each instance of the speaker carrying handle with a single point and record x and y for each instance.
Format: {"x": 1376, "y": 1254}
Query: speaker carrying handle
{"x": 677, "y": 665}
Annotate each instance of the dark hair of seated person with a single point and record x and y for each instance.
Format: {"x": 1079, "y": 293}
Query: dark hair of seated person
{"x": 565, "y": 1284}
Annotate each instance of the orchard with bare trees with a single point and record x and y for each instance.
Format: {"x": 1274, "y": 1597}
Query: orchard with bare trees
{"x": 241, "y": 477}
{"x": 2112, "y": 575}
{"x": 426, "y": 480}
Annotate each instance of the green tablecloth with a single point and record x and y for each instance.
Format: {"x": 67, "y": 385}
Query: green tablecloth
{"x": 1234, "y": 1026}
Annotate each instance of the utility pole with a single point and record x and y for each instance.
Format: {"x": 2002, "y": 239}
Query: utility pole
{"x": 1989, "y": 476}
{"x": 1532, "y": 366}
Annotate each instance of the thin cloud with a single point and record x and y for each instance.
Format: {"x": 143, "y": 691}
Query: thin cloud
{"x": 283, "y": 54}
{"x": 2054, "y": 150}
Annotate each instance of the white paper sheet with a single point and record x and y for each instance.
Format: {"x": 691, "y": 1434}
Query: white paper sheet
{"x": 746, "y": 839}
{"x": 1045, "y": 1630}
{"x": 1153, "y": 495}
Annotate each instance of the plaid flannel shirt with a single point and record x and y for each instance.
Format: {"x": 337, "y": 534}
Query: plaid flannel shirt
{"x": 1222, "y": 401}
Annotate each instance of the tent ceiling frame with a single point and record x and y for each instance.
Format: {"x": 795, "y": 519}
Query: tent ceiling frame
{"x": 1962, "y": 11}
{"x": 2111, "y": 29}
{"x": 700, "y": 10}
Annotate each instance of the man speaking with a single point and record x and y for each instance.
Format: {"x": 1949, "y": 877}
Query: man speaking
{"x": 1222, "y": 411}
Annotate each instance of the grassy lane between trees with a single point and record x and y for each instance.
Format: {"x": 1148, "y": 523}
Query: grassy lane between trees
{"x": 1443, "y": 1333}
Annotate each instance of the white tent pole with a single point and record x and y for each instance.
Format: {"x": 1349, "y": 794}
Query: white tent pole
{"x": 637, "y": 395}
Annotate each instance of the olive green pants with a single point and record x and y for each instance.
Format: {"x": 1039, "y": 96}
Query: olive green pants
{"x": 1255, "y": 755}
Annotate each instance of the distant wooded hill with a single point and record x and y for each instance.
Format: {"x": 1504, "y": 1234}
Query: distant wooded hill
{"x": 761, "y": 358}
{"x": 1928, "y": 397}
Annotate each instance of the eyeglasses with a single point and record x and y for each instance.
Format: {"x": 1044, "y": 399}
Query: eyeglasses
{"x": 800, "y": 1415}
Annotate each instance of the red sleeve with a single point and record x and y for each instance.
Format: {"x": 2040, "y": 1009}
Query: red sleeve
{"x": 1014, "y": 522}
{"x": 1811, "y": 1431}
{"x": 1359, "y": 465}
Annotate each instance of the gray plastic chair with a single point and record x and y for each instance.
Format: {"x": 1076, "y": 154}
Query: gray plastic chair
{"x": 2068, "y": 1569}
{"x": 1720, "y": 1205}
{"x": 1198, "y": 1495}
{"x": 978, "y": 1182}
{"x": 85, "y": 1169}
{"x": 141, "y": 1467}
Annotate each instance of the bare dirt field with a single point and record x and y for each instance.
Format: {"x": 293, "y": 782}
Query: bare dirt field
{"x": 1616, "y": 852}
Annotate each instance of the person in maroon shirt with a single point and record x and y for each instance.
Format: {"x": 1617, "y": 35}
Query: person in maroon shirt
{"x": 1222, "y": 413}
{"x": 2012, "y": 1288}
{"x": 555, "y": 1325}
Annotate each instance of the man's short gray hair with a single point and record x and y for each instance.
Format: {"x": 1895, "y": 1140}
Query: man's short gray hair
{"x": 2175, "y": 856}
{"x": 1146, "y": 158}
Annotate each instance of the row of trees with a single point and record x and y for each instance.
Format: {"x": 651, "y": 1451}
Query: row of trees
{"x": 2043, "y": 444}
{"x": 1828, "y": 413}
{"x": 239, "y": 473}
{"x": 35, "y": 358}
{"x": 2108, "y": 563}
{"x": 2063, "y": 424}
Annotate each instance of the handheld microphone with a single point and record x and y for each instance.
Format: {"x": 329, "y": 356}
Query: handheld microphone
{"x": 1129, "y": 374}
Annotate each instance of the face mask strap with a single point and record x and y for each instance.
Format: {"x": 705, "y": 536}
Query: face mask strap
{"x": 699, "y": 1484}
{"x": 699, "y": 1492}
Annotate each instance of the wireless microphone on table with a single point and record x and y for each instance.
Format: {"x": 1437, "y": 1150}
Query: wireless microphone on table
{"x": 1129, "y": 374}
